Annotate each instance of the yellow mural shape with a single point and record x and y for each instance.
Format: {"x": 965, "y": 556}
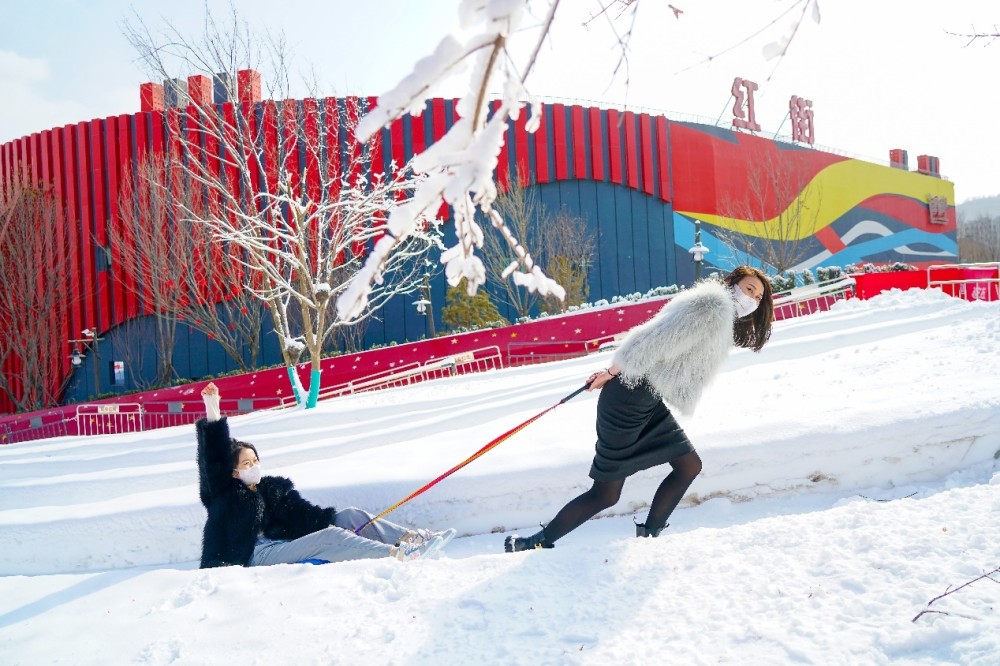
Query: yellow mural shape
{"x": 836, "y": 190}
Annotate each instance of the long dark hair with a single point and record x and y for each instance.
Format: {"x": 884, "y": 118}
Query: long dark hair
{"x": 235, "y": 446}
{"x": 754, "y": 330}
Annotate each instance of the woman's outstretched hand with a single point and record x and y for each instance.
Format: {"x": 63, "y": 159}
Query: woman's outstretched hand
{"x": 600, "y": 378}
{"x": 210, "y": 395}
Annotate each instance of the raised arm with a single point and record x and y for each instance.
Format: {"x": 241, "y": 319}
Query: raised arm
{"x": 215, "y": 464}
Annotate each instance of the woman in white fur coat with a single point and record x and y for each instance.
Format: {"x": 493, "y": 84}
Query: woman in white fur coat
{"x": 671, "y": 359}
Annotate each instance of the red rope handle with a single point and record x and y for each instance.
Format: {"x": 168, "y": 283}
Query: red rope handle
{"x": 492, "y": 445}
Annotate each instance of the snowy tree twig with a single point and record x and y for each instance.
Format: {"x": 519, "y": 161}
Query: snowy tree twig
{"x": 988, "y": 575}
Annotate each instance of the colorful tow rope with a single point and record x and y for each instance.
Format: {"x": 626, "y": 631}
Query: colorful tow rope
{"x": 493, "y": 444}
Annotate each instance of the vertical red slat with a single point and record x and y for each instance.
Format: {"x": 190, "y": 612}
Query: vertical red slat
{"x": 631, "y": 150}
{"x": 541, "y": 148}
{"x": 269, "y": 134}
{"x": 521, "y": 148}
{"x": 354, "y": 156}
{"x": 559, "y": 141}
{"x": 331, "y": 135}
{"x": 579, "y": 145}
{"x": 290, "y": 143}
{"x": 97, "y": 176}
{"x": 60, "y": 265}
{"x": 86, "y": 228}
{"x": 34, "y": 163}
{"x": 332, "y": 132}
{"x": 311, "y": 131}
{"x": 73, "y": 282}
{"x": 113, "y": 175}
{"x": 663, "y": 157}
{"x": 125, "y": 164}
{"x": 377, "y": 149}
{"x": 503, "y": 159}
{"x": 54, "y": 332}
{"x": 438, "y": 130}
{"x": 615, "y": 146}
{"x": 353, "y": 112}
{"x": 397, "y": 149}
{"x": 250, "y": 145}
{"x": 145, "y": 304}
{"x": 646, "y": 144}
{"x": 596, "y": 144}
{"x": 22, "y": 158}
{"x": 437, "y": 119}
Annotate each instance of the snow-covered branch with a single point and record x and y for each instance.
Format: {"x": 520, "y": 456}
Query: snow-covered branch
{"x": 458, "y": 168}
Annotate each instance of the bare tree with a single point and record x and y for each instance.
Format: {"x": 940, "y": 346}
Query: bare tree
{"x": 34, "y": 300}
{"x": 527, "y": 219}
{"x": 772, "y": 222}
{"x": 176, "y": 265}
{"x": 277, "y": 187}
{"x": 979, "y": 239}
{"x": 569, "y": 251}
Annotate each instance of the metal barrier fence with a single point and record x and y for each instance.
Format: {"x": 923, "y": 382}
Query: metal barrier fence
{"x": 44, "y": 426}
{"x": 529, "y": 353}
{"x": 477, "y": 360}
{"x": 108, "y": 418}
{"x": 972, "y": 282}
{"x": 812, "y": 298}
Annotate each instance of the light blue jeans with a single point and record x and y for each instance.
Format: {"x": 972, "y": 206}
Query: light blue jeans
{"x": 337, "y": 543}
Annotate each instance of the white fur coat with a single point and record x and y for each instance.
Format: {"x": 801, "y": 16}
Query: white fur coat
{"x": 680, "y": 349}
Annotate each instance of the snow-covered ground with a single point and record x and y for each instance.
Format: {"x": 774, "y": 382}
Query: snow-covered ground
{"x": 850, "y": 476}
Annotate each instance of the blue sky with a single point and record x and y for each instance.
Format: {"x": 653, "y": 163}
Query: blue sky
{"x": 881, "y": 75}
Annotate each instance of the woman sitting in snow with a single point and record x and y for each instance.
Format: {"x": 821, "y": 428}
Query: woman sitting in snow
{"x": 670, "y": 358}
{"x": 256, "y": 520}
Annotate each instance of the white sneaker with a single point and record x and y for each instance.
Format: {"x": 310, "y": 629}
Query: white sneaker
{"x": 430, "y": 545}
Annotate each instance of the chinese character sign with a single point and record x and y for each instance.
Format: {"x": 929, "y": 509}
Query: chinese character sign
{"x": 938, "y": 207}
{"x": 801, "y": 114}
{"x": 743, "y": 91}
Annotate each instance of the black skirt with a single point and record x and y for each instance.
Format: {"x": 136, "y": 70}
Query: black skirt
{"x": 635, "y": 431}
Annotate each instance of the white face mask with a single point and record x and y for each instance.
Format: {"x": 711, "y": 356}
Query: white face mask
{"x": 744, "y": 304}
{"x": 250, "y": 475}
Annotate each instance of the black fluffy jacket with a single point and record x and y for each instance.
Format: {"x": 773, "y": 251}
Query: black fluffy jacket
{"x": 236, "y": 514}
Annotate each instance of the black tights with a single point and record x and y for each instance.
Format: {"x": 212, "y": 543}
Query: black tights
{"x": 605, "y": 494}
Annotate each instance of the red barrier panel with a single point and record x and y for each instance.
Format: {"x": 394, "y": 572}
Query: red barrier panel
{"x": 867, "y": 285}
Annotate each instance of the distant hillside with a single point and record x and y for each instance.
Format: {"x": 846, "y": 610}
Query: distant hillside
{"x": 976, "y": 208}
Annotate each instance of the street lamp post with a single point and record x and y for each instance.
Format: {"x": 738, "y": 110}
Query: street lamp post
{"x": 699, "y": 251}
{"x": 91, "y": 340}
{"x": 424, "y": 305}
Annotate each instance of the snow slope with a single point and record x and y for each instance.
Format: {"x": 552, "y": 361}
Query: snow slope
{"x": 850, "y": 476}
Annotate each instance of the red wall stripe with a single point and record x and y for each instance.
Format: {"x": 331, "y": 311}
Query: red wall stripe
{"x": 615, "y": 145}
{"x": 541, "y": 141}
{"x": 663, "y": 157}
{"x": 596, "y": 145}
{"x": 646, "y": 148}
{"x": 559, "y": 141}
{"x": 113, "y": 175}
{"x": 97, "y": 176}
{"x": 126, "y": 133}
{"x": 631, "y": 150}
{"x": 377, "y": 151}
{"x": 521, "y": 148}
{"x": 503, "y": 159}
{"x": 333, "y": 152}
{"x": 86, "y": 228}
{"x": 70, "y": 170}
{"x": 579, "y": 143}
{"x": 291, "y": 142}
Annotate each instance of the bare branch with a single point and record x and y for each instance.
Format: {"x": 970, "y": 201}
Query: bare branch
{"x": 988, "y": 575}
